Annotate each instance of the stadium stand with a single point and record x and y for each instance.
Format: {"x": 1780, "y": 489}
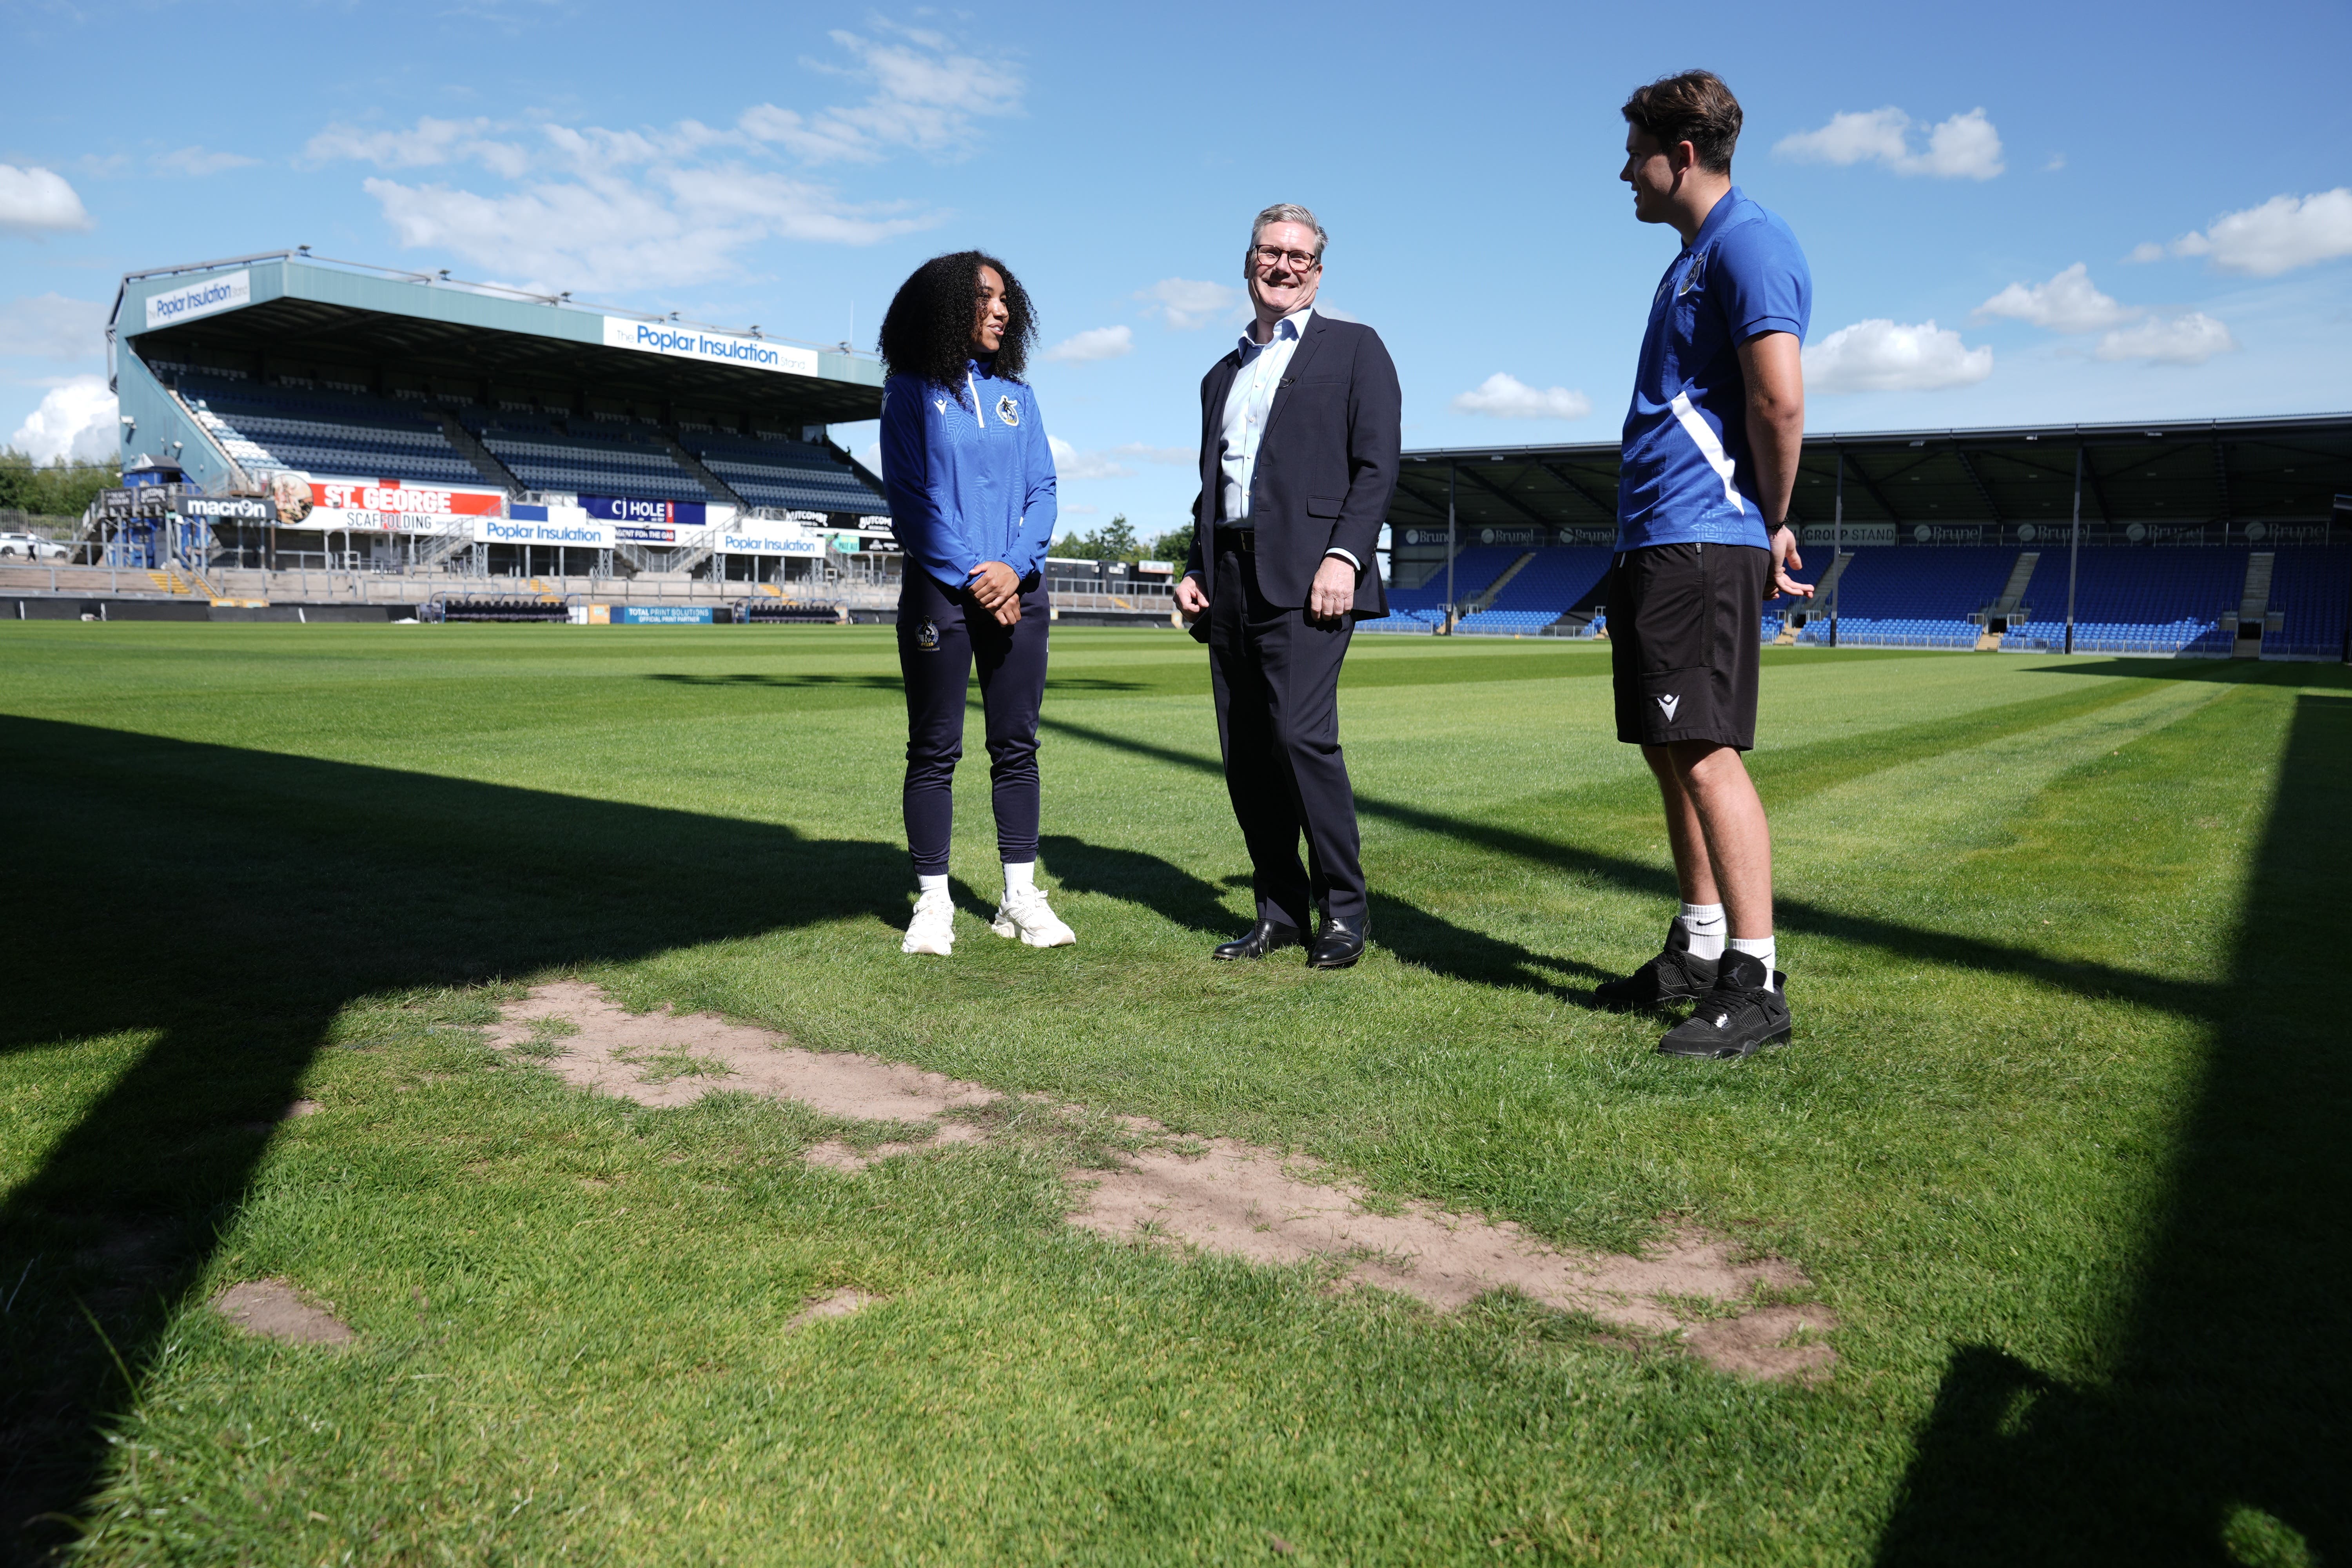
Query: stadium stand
{"x": 772, "y": 470}
{"x": 345, "y": 433}
{"x": 2310, "y": 586}
{"x": 1417, "y": 610}
{"x": 1556, "y": 579}
{"x": 619, "y": 458}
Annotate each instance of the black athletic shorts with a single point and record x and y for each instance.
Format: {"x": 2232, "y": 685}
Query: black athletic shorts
{"x": 1685, "y": 642}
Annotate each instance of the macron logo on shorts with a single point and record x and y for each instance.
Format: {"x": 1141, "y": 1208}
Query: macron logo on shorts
{"x": 1667, "y": 706}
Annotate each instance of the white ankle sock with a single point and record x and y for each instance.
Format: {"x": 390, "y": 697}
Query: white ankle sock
{"x": 1705, "y": 926}
{"x": 938, "y": 884}
{"x": 1759, "y": 947}
{"x": 1019, "y": 876}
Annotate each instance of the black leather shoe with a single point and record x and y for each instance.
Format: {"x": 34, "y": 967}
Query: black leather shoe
{"x": 1336, "y": 945}
{"x": 1263, "y": 938}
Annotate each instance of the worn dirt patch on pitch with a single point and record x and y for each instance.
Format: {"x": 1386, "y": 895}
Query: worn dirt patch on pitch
{"x": 1250, "y": 1202}
{"x": 274, "y": 1309}
{"x": 1216, "y": 1194}
{"x": 672, "y": 1058}
{"x": 834, "y": 1304}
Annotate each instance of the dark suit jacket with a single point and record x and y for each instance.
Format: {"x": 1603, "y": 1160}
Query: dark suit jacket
{"x": 1325, "y": 466}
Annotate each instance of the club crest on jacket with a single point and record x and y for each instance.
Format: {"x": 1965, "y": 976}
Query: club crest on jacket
{"x": 1008, "y": 410}
{"x": 927, "y": 636}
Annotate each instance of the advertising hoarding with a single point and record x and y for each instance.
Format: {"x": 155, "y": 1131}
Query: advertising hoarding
{"x": 676, "y": 341}
{"x": 229, "y": 292}
{"x": 688, "y": 514}
{"x": 378, "y": 506}
{"x": 768, "y": 539}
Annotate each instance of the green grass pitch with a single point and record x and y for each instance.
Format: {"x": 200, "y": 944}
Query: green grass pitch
{"x": 2062, "y": 1137}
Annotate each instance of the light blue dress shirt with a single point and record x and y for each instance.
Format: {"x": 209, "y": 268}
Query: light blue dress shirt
{"x": 1248, "y": 403}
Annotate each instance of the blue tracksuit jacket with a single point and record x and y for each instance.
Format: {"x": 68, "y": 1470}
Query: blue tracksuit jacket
{"x": 969, "y": 474}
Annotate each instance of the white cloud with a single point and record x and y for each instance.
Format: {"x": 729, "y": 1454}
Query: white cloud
{"x": 2070, "y": 302}
{"x": 50, "y": 326}
{"x": 77, "y": 420}
{"x": 37, "y": 200}
{"x": 871, "y": 455}
{"x": 1965, "y": 147}
{"x": 1150, "y": 453}
{"x": 1186, "y": 303}
{"x": 2146, "y": 250}
{"x": 2280, "y": 234}
{"x": 1069, "y": 463}
{"x": 1885, "y": 356}
{"x": 1506, "y": 396}
{"x": 198, "y": 162}
{"x": 590, "y": 208}
{"x": 429, "y": 143}
{"x": 2192, "y": 339}
{"x": 2057, "y": 161}
{"x": 926, "y": 95}
{"x": 1094, "y": 344}
{"x": 1334, "y": 311}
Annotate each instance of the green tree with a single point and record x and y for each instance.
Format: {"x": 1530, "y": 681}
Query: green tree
{"x": 1174, "y": 546}
{"x": 57, "y": 490}
{"x": 1115, "y": 540}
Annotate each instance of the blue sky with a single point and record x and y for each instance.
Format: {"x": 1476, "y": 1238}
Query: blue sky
{"x": 788, "y": 164}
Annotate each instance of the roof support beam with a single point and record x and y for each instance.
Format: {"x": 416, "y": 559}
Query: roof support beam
{"x": 2221, "y": 476}
{"x": 1609, "y": 507}
{"x": 1871, "y": 485}
{"x": 1992, "y": 508}
{"x": 2098, "y": 491}
{"x": 1507, "y": 497}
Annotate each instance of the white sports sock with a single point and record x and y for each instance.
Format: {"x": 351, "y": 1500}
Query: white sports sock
{"x": 1758, "y": 947}
{"x": 1704, "y": 924}
{"x": 938, "y": 884}
{"x": 1019, "y": 876}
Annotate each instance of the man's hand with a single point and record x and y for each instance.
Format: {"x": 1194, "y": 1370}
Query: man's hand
{"x": 1784, "y": 557}
{"x": 996, "y": 588}
{"x": 1189, "y": 600}
{"x": 1333, "y": 593}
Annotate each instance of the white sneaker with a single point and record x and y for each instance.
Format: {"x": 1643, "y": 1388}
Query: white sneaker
{"x": 1024, "y": 914}
{"x": 932, "y": 929}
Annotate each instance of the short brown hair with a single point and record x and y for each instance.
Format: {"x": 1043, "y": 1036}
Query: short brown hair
{"x": 1693, "y": 107}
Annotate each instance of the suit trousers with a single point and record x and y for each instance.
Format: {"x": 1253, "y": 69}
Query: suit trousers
{"x": 941, "y": 635}
{"x": 1277, "y": 680}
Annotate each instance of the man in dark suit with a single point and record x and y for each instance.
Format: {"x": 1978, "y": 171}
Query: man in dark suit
{"x": 1301, "y": 427}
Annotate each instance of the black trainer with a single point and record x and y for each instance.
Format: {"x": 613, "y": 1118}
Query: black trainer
{"x": 1746, "y": 1011}
{"x": 1676, "y": 974}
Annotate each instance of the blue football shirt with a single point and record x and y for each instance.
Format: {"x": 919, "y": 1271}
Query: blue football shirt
{"x": 1685, "y": 474}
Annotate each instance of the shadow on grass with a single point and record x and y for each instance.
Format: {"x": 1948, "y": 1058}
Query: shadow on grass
{"x": 2223, "y": 1432}
{"x": 227, "y": 905}
{"x": 1920, "y": 943}
{"x": 1415, "y": 935}
{"x": 2232, "y": 671}
{"x": 1086, "y": 683}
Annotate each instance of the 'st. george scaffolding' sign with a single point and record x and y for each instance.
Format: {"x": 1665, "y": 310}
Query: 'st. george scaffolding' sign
{"x": 712, "y": 348}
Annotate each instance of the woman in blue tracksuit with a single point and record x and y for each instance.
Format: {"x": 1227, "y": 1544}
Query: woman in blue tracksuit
{"x": 970, "y": 482}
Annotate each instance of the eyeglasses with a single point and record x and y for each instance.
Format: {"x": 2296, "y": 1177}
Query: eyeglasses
{"x": 1269, "y": 256}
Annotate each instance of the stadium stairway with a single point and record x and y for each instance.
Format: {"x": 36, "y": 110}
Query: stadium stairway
{"x": 1486, "y": 599}
{"x": 2013, "y": 596}
{"x": 2254, "y": 604}
{"x": 695, "y": 466}
{"x": 469, "y": 446}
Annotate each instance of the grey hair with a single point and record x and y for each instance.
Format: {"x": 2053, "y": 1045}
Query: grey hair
{"x": 1289, "y": 211}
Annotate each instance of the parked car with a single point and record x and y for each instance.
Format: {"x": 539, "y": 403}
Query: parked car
{"x": 31, "y": 546}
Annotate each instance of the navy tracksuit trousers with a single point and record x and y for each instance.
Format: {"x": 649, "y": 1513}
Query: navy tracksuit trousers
{"x": 942, "y": 633}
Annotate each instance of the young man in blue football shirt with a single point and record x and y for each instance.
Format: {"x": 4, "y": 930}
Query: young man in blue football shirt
{"x": 1709, "y": 458}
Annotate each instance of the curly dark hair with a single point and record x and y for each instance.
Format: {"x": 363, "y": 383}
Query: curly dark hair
{"x": 926, "y": 331}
